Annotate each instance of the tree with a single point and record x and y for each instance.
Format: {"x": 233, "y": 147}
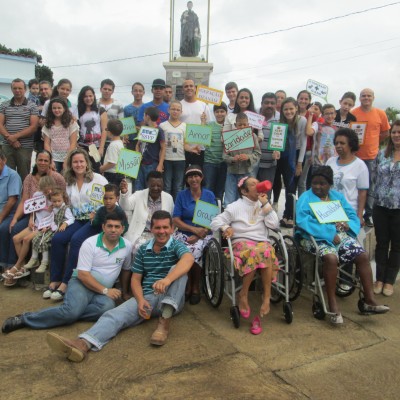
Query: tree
{"x": 44, "y": 73}
{"x": 392, "y": 114}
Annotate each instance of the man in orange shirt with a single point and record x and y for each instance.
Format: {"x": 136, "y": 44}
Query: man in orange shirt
{"x": 376, "y": 131}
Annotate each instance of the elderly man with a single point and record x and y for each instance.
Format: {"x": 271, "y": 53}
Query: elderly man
{"x": 10, "y": 191}
{"x": 90, "y": 290}
{"x": 377, "y": 130}
{"x": 18, "y": 123}
{"x": 158, "y": 285}
{"x": 192, "y": 111}
{"x": 139, "y": 207}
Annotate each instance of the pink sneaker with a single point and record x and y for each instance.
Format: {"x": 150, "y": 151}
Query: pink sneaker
{"x": 255, "y": 328}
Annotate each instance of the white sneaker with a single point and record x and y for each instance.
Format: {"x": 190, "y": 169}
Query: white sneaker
{"x": 32, "y": 263}
{"x": 42, "y": 267}
{"x": 337, "y": 319}
{"x": 47, "y": 293}
{"x": 57, "y": 295}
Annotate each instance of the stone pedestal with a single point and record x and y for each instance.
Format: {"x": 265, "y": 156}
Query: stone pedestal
{"x": 187, "y": 68}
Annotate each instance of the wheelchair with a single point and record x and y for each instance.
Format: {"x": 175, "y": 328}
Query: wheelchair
{"x": 219, "y": 275}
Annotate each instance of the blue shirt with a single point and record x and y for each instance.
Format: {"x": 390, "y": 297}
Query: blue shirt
{"x": 10, "y": 185}
{"x": 162, "y": 108}
{"x": 155, "y": 266}
{"x": 185, "y": 205}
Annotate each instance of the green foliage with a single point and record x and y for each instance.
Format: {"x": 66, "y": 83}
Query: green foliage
{"x": 4, "y": 49}
{"x": 44, "y": 73}
{"x": 391, "y": 113}
{"x": 29, "y": 53}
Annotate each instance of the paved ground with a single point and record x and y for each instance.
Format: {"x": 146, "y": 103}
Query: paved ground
{"x": 206, "y": 357}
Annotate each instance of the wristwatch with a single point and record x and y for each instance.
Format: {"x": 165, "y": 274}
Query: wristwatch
{"x": 105, "y": 291}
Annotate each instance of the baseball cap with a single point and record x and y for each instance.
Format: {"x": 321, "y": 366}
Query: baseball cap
{"x": 158, "y": 82}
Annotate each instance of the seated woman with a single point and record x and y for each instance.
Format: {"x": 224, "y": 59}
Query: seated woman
{"x": 336, "y": 241}
{"x": 194, "y": 236}
{"x": 246, "y": 222}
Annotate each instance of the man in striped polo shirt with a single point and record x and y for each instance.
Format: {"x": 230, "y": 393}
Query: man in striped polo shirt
{"x": 18, "y": 122}
{"x": 158, "y": 285}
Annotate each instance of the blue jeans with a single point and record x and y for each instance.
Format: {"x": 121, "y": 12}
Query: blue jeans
{"x": 80, "y": 303}
{"x": 215, "y": 177}
{"x": 74, "y": 235}
{"x": 286, "y": 167}
{"x": 174, "y": 172}
{"x": 370, "y": 200}
{"x": 144, "y": 169}
{"x": 231, "y": 188}
{"x": 127, "y": 314}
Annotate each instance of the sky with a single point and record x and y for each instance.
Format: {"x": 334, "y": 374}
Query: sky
{"x": 346, "y": 54}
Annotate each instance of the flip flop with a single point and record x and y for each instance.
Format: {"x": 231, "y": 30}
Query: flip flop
{"x": 21, "y": 273}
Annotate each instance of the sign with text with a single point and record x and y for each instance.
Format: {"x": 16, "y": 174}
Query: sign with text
{"x": 35, "y": 204}
{"x": 318, "y": 89}
{"x": 256, "y": 121}
{"x": 198, "y": 134}
{"x": 129, "y": 126}
{"x": 329, "y": 211}
{"x": 277, "y": 136}
{"x": 148, "y": 134}
{"x": 209, "y": 95}
{"x": 46, "y": 221}
{"x": 204, "y": 213}
{"x": 97, "y": 193}
{"x": 359, "y": 128}
{"x": 238, "y": 139}
{"x": 129, "y": 163}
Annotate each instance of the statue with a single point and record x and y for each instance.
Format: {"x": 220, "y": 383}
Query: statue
{"x": 190, "y": 33}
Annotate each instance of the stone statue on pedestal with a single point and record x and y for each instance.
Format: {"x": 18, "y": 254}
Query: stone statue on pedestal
{"x": 190, "y": 33}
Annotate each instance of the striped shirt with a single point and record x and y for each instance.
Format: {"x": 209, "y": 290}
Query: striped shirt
{"x": 155, "y": 266}
{"x": 17, "y": 118}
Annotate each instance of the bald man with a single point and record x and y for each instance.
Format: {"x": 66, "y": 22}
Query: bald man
{"x": 377, "y": 130}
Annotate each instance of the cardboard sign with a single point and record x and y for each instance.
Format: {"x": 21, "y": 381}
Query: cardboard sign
{"x": 35, "y": 204}
{"x": 209, "y": 95}
{"x": 256, "y": 121}
{"x": 204, "y": 213}
{"x": 129, "y": 163}
{"x": 238, "y": 139}
{"x": 46, "y": 221}
{"x": 277, "y": 136}
{"x": 97, "y": 193}
{"x": 318, "y": 89}
{"x": 198, "y": 134}
{"x": 359, "y": 128}
{"x": 129, "y": 126}
{"x": 329, "y": 211}
{"x": 148, "y": 134}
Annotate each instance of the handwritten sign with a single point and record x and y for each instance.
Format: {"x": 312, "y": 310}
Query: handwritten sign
{"x": 256, "y": 121}
{"x": 277, "y": 136}
{"x": 148, "y": 134}
{"x": 238, "y": 139}
{"x": 329, "y": 211}
{"x": 204, "y": 213}
{"x": 46, "y": 221}
{"x": 35, "y": 204}
{"x": 129, "y": 163}
{"x": 209, "y": 95}
{"x": 198, "y": 134}
{"x": 359, "y": 128}
{"x": 97, "y": 193}
{"x": 129, "y": 126}
{"x": 318, "y": 89}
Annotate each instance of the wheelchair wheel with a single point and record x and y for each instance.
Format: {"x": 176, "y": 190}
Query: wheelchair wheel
{"x": 288, "y": 312}
{"x": 213, "y": 272}
{"x": 235, "y": 316}
{"x": 276, "y": 296}
{"x": 295, "y": 268}
{"x": 318, "y": 309}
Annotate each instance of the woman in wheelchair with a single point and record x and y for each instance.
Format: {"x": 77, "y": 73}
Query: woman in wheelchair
{"x": 336, "y": 241}
{"x": 246, "y": 222}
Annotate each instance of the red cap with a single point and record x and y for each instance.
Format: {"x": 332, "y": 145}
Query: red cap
{"x": 264, "y": 186}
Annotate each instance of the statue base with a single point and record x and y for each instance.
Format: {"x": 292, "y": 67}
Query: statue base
{"x": 184, "y": 68}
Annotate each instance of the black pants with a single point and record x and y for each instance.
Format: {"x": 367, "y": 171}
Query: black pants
{"x": 387, "y": 231}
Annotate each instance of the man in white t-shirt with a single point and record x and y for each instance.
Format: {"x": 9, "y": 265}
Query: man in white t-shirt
{"x": 192, "y": 111}
{"x": 90, "y": 291}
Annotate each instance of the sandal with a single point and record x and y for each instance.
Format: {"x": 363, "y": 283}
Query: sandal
{"x": 256, "y": 328}
{"x": 9, "y": 282}
{"x": 8, "y": 274}
{"x": 21, "y": 273}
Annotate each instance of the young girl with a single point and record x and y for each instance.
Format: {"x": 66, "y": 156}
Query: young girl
{"x": 62, "y": 219}
{"x": 174, "y": 162}
{"x": 343, "y": 116}
{"x": 290, "y": 163}
{"x": 62, "y": 90}
{"x": 60, "y": 131}
{"x": 22, "y": 240}
{"x": 93, "y": 123}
